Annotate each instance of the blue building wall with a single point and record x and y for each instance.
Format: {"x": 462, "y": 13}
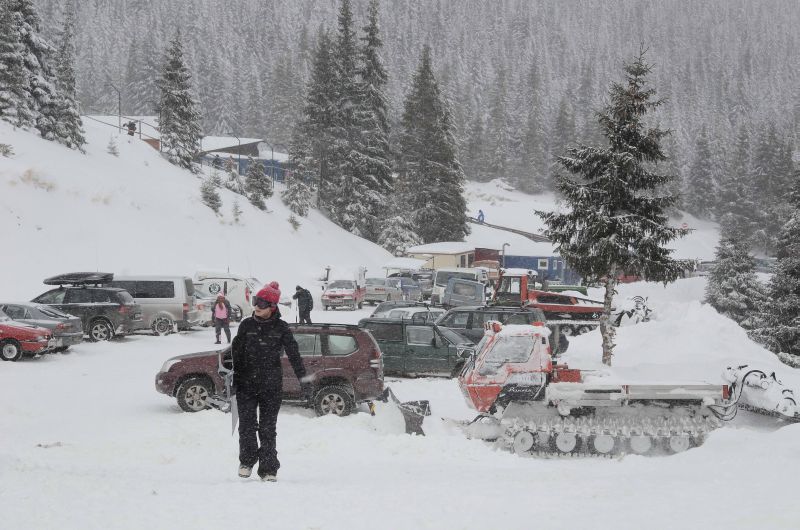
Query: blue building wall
{"x": 272, "y": 168}
{"x": 555, "y": 270}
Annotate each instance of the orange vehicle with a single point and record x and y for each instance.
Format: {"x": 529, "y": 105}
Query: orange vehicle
{"x": 533, "y": 405}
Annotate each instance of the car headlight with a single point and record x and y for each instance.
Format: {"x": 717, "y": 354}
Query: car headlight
{"x": 168, "y": 364}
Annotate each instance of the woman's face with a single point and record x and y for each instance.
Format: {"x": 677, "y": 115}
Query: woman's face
{"x": 263, "y": 313}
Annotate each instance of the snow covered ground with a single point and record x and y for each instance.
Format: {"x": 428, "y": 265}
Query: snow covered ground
{"x": 86, "y": 441}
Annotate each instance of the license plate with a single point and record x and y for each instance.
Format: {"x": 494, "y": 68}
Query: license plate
{"x": 55, "y": 343}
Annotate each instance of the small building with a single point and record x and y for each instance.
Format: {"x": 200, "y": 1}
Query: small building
{"x": 221, "y": 149}
{"x": 550, "y": 267}
{"x": 443, "y": 254}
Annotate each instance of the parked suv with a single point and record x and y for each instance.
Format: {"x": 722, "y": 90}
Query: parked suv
{"x": 469, "y": 321}
{"x": 104, "y": 311}
{"x": 414, "y": 347}
{"x": 345, "y": 362}
{"x": 167, "y": 302}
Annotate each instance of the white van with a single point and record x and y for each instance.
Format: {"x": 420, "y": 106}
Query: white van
{"x": 167, "y": 302}
{"x": 443, "y": 275}
{"x": 237, "y": 289}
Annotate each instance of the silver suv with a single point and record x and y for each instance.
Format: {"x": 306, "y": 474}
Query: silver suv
{"x": 167, "y": 302}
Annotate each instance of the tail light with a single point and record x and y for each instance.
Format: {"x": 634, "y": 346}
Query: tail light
{"x": 726, "y": 392}
{"x": 185, "y": 311}
{"x": 375, "y": 357}
{"x": 124, "y": 310}
{"x": 247, "y": 294}
{"x": 61, "y": 325}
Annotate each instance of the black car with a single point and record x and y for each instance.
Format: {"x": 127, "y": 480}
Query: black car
{"x": 104, "y": 311}
{"x": 469, "y": 321}
{"x": 67, "y": 329}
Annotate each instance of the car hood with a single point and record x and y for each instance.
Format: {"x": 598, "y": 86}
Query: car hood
{"x": 196, "y": 355}
{"x": 339, "y": 291}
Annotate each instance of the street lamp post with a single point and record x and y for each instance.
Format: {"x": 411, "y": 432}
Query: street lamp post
{"x": 504, "y": 253}
{"x": 119, "y": 102}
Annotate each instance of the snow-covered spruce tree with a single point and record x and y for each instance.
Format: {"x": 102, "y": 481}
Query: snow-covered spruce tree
{"x": 372, "y": 116}
{"x": 180, "y": 121}
{"x": 297, "y": 191}
{"x": 236, "y": 211}
{"x": 398, "y": 235}
{"x": 429, "y": 170}
{"x": 210, "y": 195}
{"x": 255, "y": 183}
{"x": 782, "y": 326}
{"x": 112, "y": 148}
{"x": 616, "y": 222}
{"x": 732, "y": 288}
{"x": 736, "y": 202}
{"x": 315, "y": 132}
{"x": 15, "y": 101}
{"x": 498, "y": 131}
{"x": 700, "y": 196}
{"x": 41, "y": 98}
{"x": 69, "y": 128}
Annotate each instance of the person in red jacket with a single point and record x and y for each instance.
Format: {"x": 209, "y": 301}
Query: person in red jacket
{"x": 258, "y": 380}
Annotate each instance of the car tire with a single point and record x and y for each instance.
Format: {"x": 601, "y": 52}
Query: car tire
{"x": 333, "y": 399}
{"x": 162, "y": 326}
{"x": 100, "y": 330}
{"x": 10, "y": 350}
{"x": 324, "y": 308}
{"x": 193, "y": 394}
{"x": 61, "y": 349}
{"x": 584, "y": 329}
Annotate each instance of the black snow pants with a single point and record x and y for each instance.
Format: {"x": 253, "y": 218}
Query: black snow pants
{"x": 219, "y": 325}
{"x": 305, "y": 316}
{"x": 258, "y": 413}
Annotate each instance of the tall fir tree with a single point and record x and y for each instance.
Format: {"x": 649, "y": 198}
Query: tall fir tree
{"x": 257, "y": 185}
{"x": 733, "y": 288}
{"x": 616, "y": 223}
{"x": 782, "y": 326}
{"x": 498, "y": 134}
{"x": 297, "y": 193}
{"x": 398, "y": 235}
{"x": 430, "y": 174}
{"x": 736, "y": 200}
{"x": 700, "y": 195}
{"x": 15, "y": 101}
{"x": 372, "y": 116}
{"x": 69, "y": 128}
{"x": 180, "y": 120}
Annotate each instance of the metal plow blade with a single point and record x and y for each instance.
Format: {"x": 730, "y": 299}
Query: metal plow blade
{"x": 413, "y": 412}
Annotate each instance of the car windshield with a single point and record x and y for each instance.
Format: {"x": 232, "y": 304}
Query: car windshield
{"x": 442, "y": 277}
{"x": 3, "y": 316}
{"x": 393, "y": 282}
{"x": 452, "y": 337}
{"x": 511, "y": 349}
{"x": 52, "y": 313}
{"x": 341, "y": 284}
{"x": 376, "y": 281}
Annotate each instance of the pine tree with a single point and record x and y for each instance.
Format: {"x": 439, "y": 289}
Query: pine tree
{"x": 210, "y": 195}
{"x": 498, "y": 131}
{"x": 372, "y": 116}
{"x": 616, "y": 223}
{"x": 732, "y": 288}
{"x": 256, "y": 184}
{"x": 398, "y": 235}
{"x": 297, "y": 193}
{"x": 700, "y": 189}
{"x": 112, "y": 148}
{"x": 69, "y": 128}
{"x": 736, "y": 202}
{"x": 430, "y": 177}
{"x": 180, "y": 121}
{"x": 236, "y": 211}
{"x": 782, "y": 327}
{"x": 15, "y": 102}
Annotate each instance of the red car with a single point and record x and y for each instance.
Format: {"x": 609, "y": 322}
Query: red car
{"x": 343, "y": 293}
{"x": 18, "y": 339}
{"x": 345, "y": 361}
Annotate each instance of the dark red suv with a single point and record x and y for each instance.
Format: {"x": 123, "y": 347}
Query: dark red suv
{"x": 345, "y": 361}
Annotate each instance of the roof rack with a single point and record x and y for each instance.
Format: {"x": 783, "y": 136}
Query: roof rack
{"x": 80, "y": 278}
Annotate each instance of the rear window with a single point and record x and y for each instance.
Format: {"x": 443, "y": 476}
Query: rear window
{"x": 339, "y": 345}
{"x": 385, "y": 332}
{"x": 376, "y": 281}
{"x": 101, "y": 296}
{"x": 341, "y": 284}
{"x": 442, "y": 277}
{"x": 52, "y": 313}
{"x": 189, "y": 287}
{"x": 124, "y": 297}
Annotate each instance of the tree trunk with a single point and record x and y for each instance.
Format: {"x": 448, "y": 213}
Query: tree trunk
{"x": 607, "y": 329}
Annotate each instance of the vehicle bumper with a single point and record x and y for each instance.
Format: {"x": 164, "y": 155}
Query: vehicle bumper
{"x": 67, "y": 339}
{"x": 368, "y": 388}
{"x": 36, "y": 346}
{"x": 376, "y": 297}
{"x": 165, "y": 383}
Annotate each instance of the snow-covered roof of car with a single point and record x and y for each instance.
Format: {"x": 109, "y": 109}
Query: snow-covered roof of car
{"x": 410, "y": 264}
{"x": 444, "y": 247}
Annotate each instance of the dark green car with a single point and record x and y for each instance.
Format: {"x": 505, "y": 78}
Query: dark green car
{"x": 412, "y": 348}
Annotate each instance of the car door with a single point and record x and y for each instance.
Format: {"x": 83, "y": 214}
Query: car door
{"x": 389, "y": 336}
{"x": 78, "y": 302}
{"x": 310, "y": 346}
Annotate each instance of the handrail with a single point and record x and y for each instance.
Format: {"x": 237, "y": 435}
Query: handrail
{"x": 123, "y": 128}
{"x": 533, "y": 237}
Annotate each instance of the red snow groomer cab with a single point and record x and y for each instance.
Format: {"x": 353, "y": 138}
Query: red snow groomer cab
{"x": 531, "y": 405}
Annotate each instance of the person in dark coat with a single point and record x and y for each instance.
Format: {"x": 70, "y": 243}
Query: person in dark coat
{"x": 305, "y": 303}
{"x": 221, "y": 314}
{"x": 258, "y": 379}
{"x": 131, "y": 125}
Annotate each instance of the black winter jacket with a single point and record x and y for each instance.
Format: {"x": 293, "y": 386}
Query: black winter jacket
{"x": 257, "y": 350}
{"x": 305, "y": 302}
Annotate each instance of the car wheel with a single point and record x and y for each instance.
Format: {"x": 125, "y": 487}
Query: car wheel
{"x": 193, "y": 394}
{"x": 61, "y": 349}
{"x": 333, "y": 399}
{"x": 100, "y": 330}
{"x": 10, "y": 350}
{"x": 584, "y": 329}
{"x": 324, "y": 308}
{"x": 163, "y": 326}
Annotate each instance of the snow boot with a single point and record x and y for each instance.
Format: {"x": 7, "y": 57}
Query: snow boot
{"x": 245, "y": 471}
{"x": 269, "y": 478}
{"x": 218, "y": 342}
